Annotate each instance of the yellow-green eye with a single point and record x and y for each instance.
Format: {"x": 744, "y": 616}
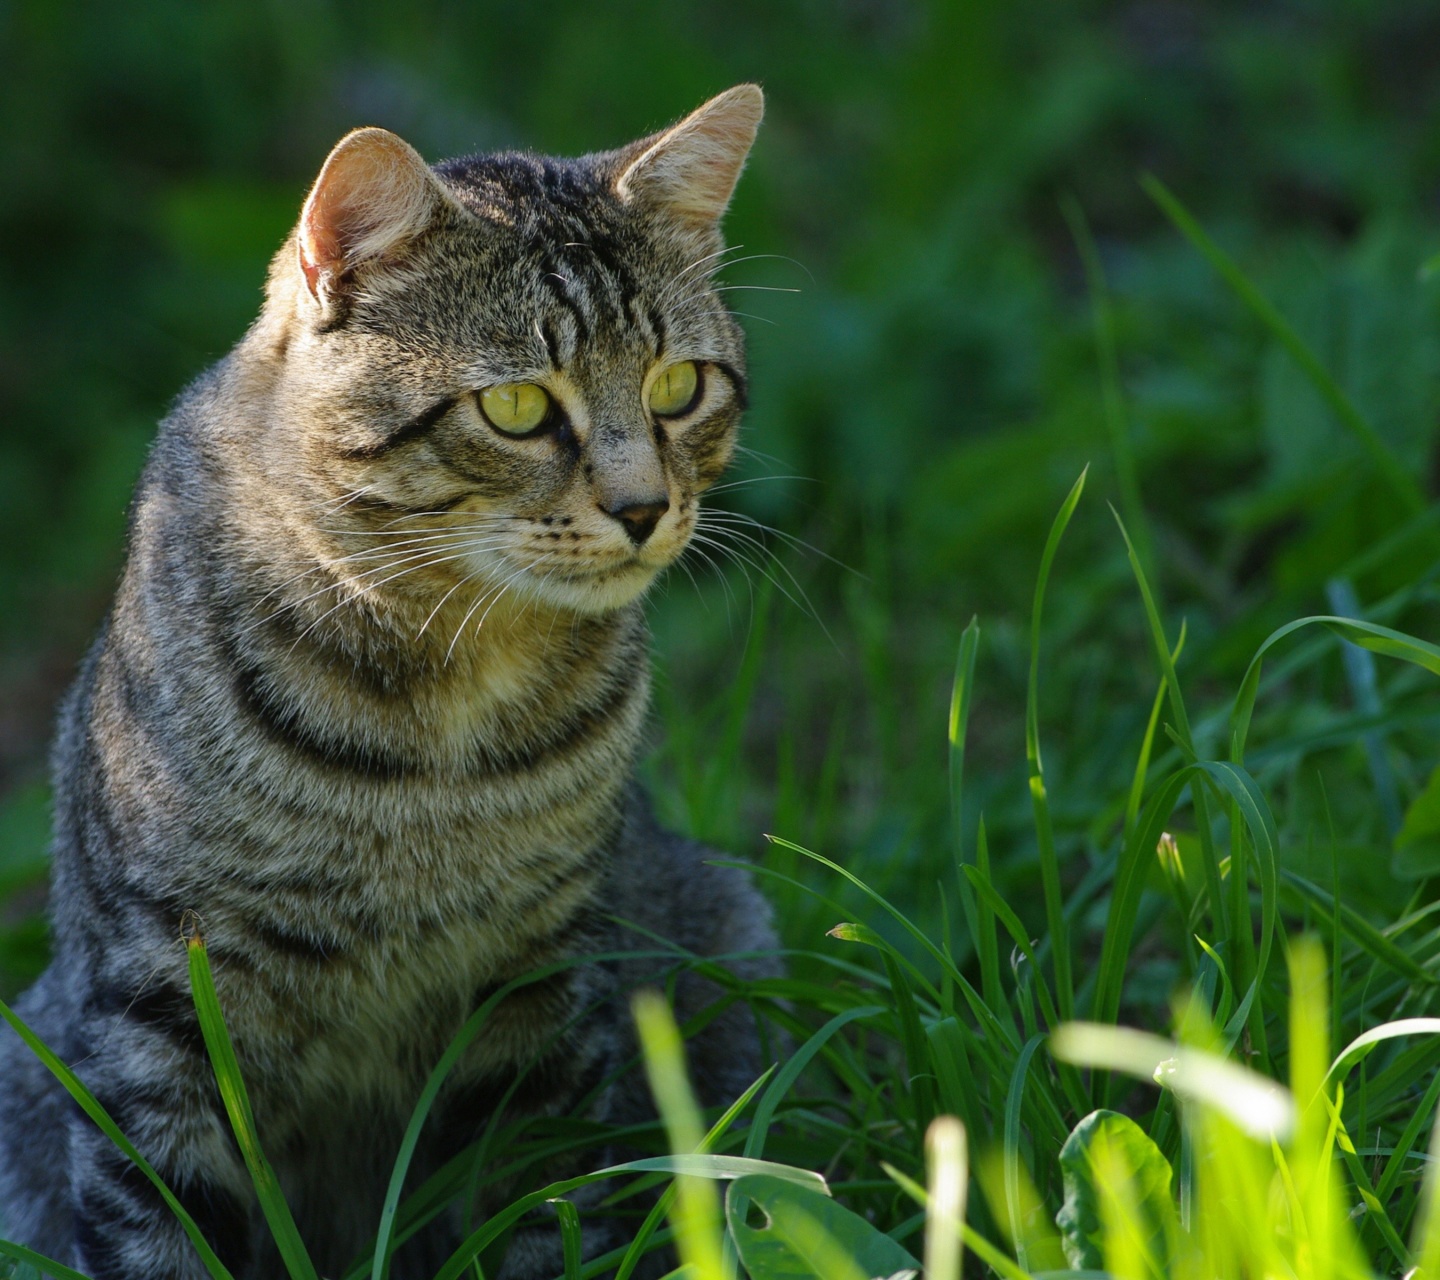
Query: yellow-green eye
{"x": 674, "y": 390}
{"x": 515, "y": 407}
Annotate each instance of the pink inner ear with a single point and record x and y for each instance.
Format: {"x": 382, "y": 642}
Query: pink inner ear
{"x": 373, "y": 193}
{"x": 320, "y": 248}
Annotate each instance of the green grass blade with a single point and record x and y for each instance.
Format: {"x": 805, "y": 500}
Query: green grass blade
{"x": 237, "y": 1106}
{"x": 1359, "y": 930}
{"x": 1210, "y": 863}
{"x": 961, "y": 696}
{"x": 1368, "y": 635}
{"x": 986, "y": 944}
{"x": 1002, "y": 1034}
{"x": 1142, "y": 764}
{"x": 1014, "y": 1102}
{"x": 46, "y": 1266}
{"x": 1385, "y": 463}
{"x": 87, "y": 1102}
{"x": 1426, "y": 1235}
{"x": 962, "y": 693}
{"x": 385, "y": 1235}
{"x": 1044, "y": 830}
{"x": 570, "y": 1241}
{"x": 785, "y": 1080}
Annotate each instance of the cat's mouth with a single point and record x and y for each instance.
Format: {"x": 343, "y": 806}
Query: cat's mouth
{"x": 595, "y": 589}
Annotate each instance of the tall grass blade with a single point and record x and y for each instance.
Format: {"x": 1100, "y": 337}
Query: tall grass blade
{"x": 696, "y": 1213}
{"x": 1044, "y": 829}
{"x": 1425, "y": 1242}
{"x": 636, "y": 1249}
{"x": 947, "y": 1169}
{"x": 988, "y": 1254}
{"x": 87, "y": 1102}
{"x": 242, "y": 1120}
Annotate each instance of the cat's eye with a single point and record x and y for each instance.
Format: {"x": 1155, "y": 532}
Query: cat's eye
{"x": 675, "y": 389}
{"x": 516, "y": 408}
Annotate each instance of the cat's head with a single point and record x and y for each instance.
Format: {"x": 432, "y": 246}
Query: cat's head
{"x": 514, "y": 369}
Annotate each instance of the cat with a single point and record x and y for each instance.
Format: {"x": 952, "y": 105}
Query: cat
{"x": 368, "y": 704}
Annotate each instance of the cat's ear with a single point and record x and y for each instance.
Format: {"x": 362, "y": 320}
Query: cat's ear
{"x": 374, "y": 195}
{"x": 691, "y": 169}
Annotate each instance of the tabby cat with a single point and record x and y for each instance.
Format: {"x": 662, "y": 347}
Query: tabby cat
{"x": 369, "y": 700}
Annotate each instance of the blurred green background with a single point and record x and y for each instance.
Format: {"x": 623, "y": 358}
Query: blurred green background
{"x": 935, "y": 381}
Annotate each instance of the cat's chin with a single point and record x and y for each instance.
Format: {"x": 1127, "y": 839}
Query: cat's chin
{"x": 594, "y": 593}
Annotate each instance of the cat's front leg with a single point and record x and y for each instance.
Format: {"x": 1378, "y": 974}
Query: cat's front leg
{"x": 158, "y": 1088}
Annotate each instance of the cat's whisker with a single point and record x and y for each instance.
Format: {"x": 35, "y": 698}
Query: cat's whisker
{"x": 477, "y": 519}
{"x": 749, "y": 480}
{"x": 469, "y": 577}
{"x": 367, "y": 588}
{"x": 758, "y": 288}
{"x": 720, "y": 516}
{"x": 497, "y": 592}
{"x": 803, "y": 603}
{"x": 421, "y": 559}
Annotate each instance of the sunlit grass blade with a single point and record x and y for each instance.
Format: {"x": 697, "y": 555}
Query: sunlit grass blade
{"x": 87, "y": 1102}
{"x": 947, "y": 1169}
{"x": 1385, "y": 463}
{"x": 636, "y": 1249}
{"x": 696, "y": 1213}
{"x": 1425, "y": 1240}
{"x": 1044, "y": 829}
{"x": 237, "y": 1106}
{"x": 992, "y": 1257}
{"x": 1259, "y": 1106}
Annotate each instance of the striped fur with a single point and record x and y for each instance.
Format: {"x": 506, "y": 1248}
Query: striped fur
{"x": 368, "y": 704}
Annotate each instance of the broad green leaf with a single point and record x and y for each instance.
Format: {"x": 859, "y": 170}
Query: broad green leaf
{"x": 1101, "y": 1143}
{"x": 806, "y": 1236}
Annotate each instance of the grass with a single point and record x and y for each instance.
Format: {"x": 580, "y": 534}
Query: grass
{"x": 1174, "y": 773}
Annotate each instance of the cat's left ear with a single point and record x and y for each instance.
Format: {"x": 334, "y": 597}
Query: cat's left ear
{"x": 691, "y": 170}
{"x": 373, "y": 196}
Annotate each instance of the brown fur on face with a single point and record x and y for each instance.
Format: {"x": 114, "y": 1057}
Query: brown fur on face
{"x": 369, "y": 700}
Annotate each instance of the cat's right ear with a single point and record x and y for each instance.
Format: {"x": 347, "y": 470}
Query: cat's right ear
{"x": 373, "y": 196}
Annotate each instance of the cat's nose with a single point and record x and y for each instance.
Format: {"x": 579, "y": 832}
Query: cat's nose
{"x": 639, "y": 518}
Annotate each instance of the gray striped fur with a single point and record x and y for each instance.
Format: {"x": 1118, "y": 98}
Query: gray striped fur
{"x": 368, "y": 704}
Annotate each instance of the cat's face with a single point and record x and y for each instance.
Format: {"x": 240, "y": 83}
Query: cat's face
{"x": 515, "y": 372}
